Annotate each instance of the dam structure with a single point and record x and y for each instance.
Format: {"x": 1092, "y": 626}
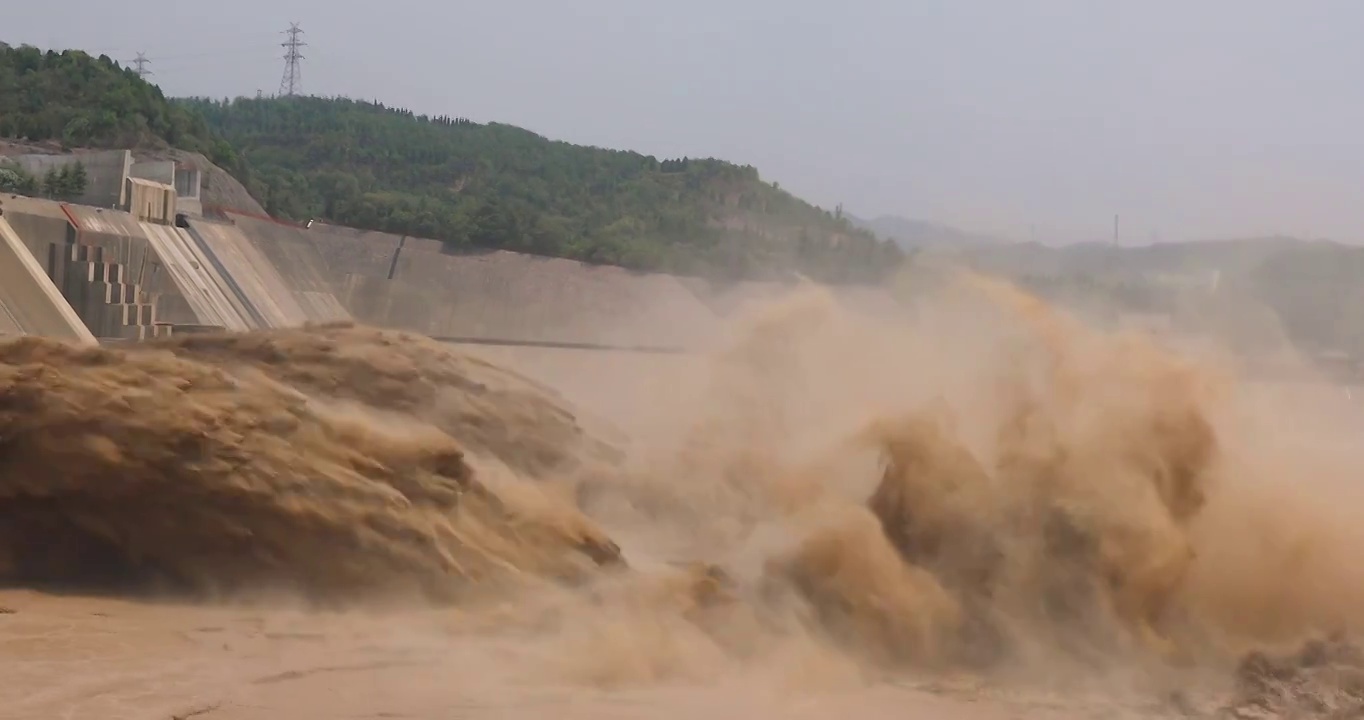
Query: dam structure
{"x": 139, "y": 256}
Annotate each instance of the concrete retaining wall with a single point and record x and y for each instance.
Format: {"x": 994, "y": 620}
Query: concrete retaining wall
{"x": 30, "y": 304}
{"x": 289, "y": 248}
{"x": 110, "y": 304}
{"x": 43, "y": 227}
{"x": 729, "y": 299}
{"x": 347, "y": 251}
{"x": 151, "y": 201}
{"x": 196, "y": 279}
{"x": 523, "y": 297}
{"x": 104, "y": 173}
{"x": 119, "y": 233}
{"x": 160, "y": 171}
{"x": 407, "y": 282}
{"x": 251, "y": 277}
{"x": 298, "y": 262}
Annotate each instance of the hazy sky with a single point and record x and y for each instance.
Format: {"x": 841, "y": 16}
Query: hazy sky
{"x": 1190, "y": 118}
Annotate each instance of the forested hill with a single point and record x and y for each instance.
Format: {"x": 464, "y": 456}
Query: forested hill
{"x": 497, "y": 186}
{"x": 471, "y": 185}
{"x": 79, "y": 100}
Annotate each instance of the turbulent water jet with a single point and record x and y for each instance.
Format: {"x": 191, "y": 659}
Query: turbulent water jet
{"x": 984, "y": 484}
{"x": 147, "y": 465}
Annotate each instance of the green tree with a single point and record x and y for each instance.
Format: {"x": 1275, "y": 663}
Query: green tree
{"x": 467, "y": 184}
{"x": 14, "y": 179}
{"x": 52, "y": 183}
{"x": 85, "y": 101}
{"x": 79, "y": 180}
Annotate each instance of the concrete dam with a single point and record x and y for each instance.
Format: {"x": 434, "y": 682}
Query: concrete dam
{"x": 136, "y": 258}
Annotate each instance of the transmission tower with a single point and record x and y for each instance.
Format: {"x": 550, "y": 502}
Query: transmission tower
{"x": 141, "y": 62}
{"x": 292, "y": 82}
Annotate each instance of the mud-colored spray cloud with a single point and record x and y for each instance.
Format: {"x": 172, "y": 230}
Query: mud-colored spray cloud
{"x": 979, "y": 481}
{"x": 1045, "y": 490}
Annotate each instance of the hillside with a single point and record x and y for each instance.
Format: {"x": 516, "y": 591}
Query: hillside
{"x": 497, "y": 186}
{"x": 81, "y": 101}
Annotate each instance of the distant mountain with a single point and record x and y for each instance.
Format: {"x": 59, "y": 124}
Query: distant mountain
{"x": 921, "y": 234}
{"x": 1231, "y": 257}
{"x": 1249, "y": 292}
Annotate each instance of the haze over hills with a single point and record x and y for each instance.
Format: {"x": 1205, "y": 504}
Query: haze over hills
{"x": 910, "y": 234}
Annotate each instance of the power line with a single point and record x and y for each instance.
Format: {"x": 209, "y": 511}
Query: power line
{"x": 141, "y": 62}
{"x": 292, "y": 83}
{"x": 241, "y": 51}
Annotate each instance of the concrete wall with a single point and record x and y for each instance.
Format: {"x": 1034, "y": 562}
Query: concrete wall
{"x": 510, "y": 295}
{"x": 347, "y": 251}
{"x": 728, "y": 299}
{"x": 411, "y": 283}
{"x": 150, "y": 201}
{"x": 188, "y": 183}
{"x": 42, "y": 226}
{"x": 252, "y": 278}
{"x": 161, "y": 171}
{"x": 379, "y": 301}
{"x": 185, "y": 181}
{"x": 296, "y": 260}
{"x": 123, "y": 278}
{"x": 112, "y": 247}
{"x": 407, "y": 282}
{"x": 127, "y": 278}
{"x": 105, "y": 173}
{"x": 100, "y": 291}
{"x": 30, "y": 304}
{"x": 188, "y": 186}
{"x": 197, "y": 280}
{"x": 118, "y": 233}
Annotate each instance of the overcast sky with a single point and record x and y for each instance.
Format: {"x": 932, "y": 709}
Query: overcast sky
{"x": 1189, "y": 118}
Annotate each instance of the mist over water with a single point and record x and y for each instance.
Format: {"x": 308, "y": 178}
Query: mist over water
{"x": 978, "y": 484}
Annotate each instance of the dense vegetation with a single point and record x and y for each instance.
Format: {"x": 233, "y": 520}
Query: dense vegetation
{"x": 470, "y": 185}
{"x": 67, "y": 183}
{"x": 496, "y": 186}
{"x": 82, "y": 101}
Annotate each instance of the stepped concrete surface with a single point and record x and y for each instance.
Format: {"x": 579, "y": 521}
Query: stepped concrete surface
{"x": 30, "y": 304}
{"x": 126, "y": 279}
{"x": 94, "y": 278}
{"x": 119, "y": 233}
{"x": 101, "y": 291}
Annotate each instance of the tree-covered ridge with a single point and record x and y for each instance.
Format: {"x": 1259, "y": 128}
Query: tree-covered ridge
{"x": 498, "y": 186}
{"x": 83, "y": 101}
